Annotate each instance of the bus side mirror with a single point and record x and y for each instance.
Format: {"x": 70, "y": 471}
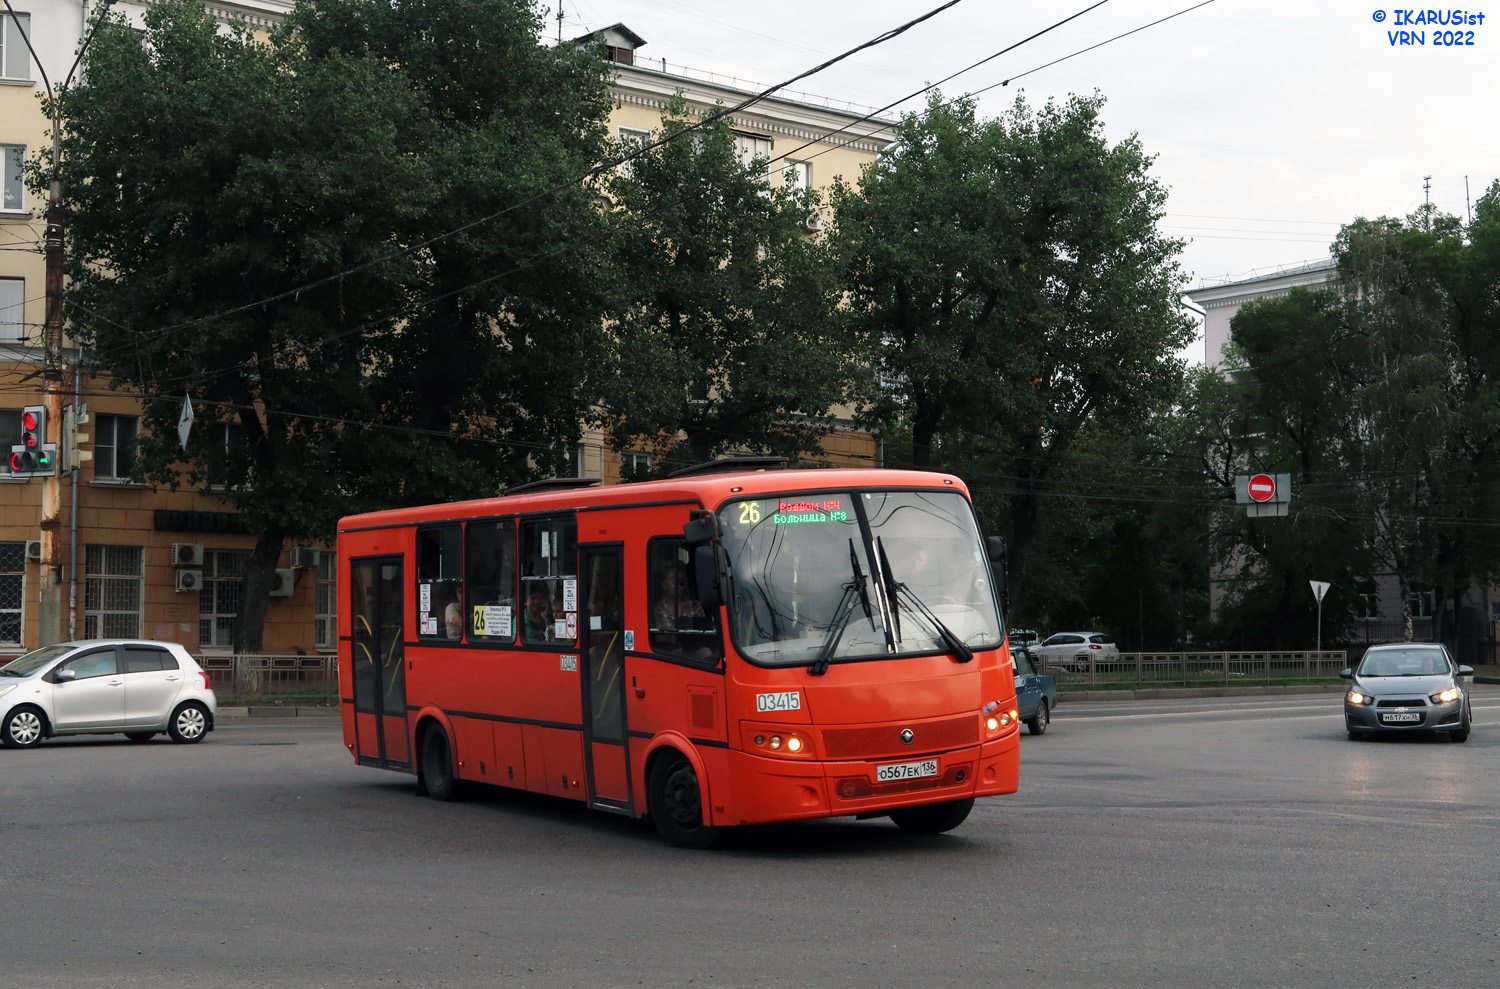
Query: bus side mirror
{"x": 701, "y": 531}
{"x": 995, "y": 547}
{"x": 706, "y": 577}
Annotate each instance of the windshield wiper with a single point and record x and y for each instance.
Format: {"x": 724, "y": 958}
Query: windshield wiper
{"x": 843, "y": 613}
{"x": 900, "y": 591}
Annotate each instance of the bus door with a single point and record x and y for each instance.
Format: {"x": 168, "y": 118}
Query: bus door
{"x": 602, "y": 650}
{"x": 379, "y": 662}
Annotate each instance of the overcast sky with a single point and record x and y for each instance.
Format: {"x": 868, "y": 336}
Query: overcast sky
{"x": 1273, "y": 122}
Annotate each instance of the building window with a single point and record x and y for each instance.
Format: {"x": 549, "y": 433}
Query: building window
{"x": 12, "y": 178}
{"x": 219, "y": 601}
{"x": 15, "y": 59}
{"x": 10, "y": 430}
{"x": 12, "y": 591}
{"x": 114, "y": 446}
{"x": 12, "y": 305}
{"x": 630, "y": 141}
{"x": 751, "y": 147}
{"x": 325, "y": 608}
{"x": 112, "y": 592}
{"x": 634, "y": 465}
{"x": 798, "y": 175}
{"x": 1366, "y": 606}
{"x": 230, "y": 438}
{"x": 1420, "y": 603}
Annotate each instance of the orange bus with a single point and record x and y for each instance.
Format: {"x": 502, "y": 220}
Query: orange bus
{"x": 735, "y": 644}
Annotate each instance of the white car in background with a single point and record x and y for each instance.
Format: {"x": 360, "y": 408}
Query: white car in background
{"x": 132, "y": 687}
{"x": 1073, "y": 651}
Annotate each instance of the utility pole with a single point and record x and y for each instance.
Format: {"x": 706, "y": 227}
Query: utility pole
{"x": 559, "y": 21}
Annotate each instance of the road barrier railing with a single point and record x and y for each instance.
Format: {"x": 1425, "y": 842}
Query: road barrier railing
{"x": 1198, "y": 669}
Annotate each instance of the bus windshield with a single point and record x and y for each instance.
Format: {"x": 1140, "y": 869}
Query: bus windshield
{"x": 827, "y": 576}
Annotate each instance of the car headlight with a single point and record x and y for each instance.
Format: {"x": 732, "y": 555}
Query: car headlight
{"x": 1445, "y": 696}
{"x": 1359, "y": 697}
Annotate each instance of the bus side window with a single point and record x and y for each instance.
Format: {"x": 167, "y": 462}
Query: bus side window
{"x": 549, "y": 607}
{"x": 490, "y": 581}
{"x": 440, "y": 553}
{"x": 679, "y": 624}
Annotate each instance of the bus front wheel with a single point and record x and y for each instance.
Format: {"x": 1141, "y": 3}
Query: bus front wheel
{"x": 933, "y": 818}
{"x": 675, "y": 802}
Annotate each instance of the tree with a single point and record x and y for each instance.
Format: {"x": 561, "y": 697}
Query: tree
{"x": 1013, "y": 277}
{"x": 317, "y": 238}
{"x": 728, "y": 334}
{"x": 1379, "y": 396}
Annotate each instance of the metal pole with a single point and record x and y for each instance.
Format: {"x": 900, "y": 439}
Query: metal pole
{"x": 1320, "y": 624}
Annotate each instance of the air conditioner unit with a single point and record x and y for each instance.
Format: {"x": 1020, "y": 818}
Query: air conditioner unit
{"x": 305, "y": 556}
{"x": 189, "y": 580}
{"x": 813, "y": 223}
{"x": 282, "y": 582}
{"x": 187, "y": 554}
{"x": 33, "y": 549}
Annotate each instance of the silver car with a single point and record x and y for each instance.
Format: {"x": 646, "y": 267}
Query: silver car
{"x": 123, "y": 686}
{"x": 1404, "y": 687}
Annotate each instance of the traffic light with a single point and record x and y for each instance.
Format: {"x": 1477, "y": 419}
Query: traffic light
{"x": 76, "y": 454}
{"x": 33, "y": 456}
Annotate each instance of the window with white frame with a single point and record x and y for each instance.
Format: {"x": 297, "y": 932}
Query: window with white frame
{"x": 12, "y": 592}
{"x": 12, "y": 177}
{"x": 325, "y": 607}
{"x": 1366, "y": 606}
{"x": 1420, "y": 603}
{"x": 751, "y": 147}
{"x": 12, "y": 307}
{"x": 798, "y": 175}
{"x": 15, "y": 59}
{"x": 114, "y": 446}
{"x": 634, "y": 464}
{"x": 230, "y": 436}
{"x": 113, "y": 591}
{"x": 630, "y": 140}
{"x": 219, "y": 601}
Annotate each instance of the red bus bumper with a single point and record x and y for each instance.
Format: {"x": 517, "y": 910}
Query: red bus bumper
{"x": 767, "y": 789}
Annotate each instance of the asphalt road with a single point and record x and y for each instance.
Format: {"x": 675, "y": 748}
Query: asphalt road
{"x": 1239, "y": 842}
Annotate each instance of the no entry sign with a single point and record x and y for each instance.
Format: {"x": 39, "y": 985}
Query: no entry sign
{"x": 1262, "y": 487}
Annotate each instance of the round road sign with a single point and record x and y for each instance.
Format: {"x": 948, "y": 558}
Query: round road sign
{"x": 1262, "y": 487}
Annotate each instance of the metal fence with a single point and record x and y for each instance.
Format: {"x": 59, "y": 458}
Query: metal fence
{"x": 308, "y": 679}
{"x": 1199, "y": 669}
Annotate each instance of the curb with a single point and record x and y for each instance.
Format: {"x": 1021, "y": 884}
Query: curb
{"x": 264, "y": 711}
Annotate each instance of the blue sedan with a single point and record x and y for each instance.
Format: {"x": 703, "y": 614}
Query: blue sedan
{"x": 1036, "y": 693}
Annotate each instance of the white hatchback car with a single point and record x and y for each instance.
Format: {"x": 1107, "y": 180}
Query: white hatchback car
{"x": 1074, "y": 651}
{"x": 122, "y": 686}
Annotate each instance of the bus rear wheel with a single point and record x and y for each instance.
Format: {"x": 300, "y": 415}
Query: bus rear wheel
{"x": 675, "y": 802}
{"x": 933, "y": 818}
{"x": 437, "y": 766}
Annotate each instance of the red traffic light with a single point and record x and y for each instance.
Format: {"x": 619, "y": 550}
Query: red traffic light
{"x": 28, "y": 420}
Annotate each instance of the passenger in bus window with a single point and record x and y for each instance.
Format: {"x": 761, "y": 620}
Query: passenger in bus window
{"x": 536, "y": 620}
{"x": 675, "y": 600}
{"x": 454, "y": 620}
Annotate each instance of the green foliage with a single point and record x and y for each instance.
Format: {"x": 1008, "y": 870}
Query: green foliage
{"x": 253, "y": 224}
{"x": 1379, "y": 397}
{"x": 727, "y": 332}
{"x": 1011, "y": 275}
